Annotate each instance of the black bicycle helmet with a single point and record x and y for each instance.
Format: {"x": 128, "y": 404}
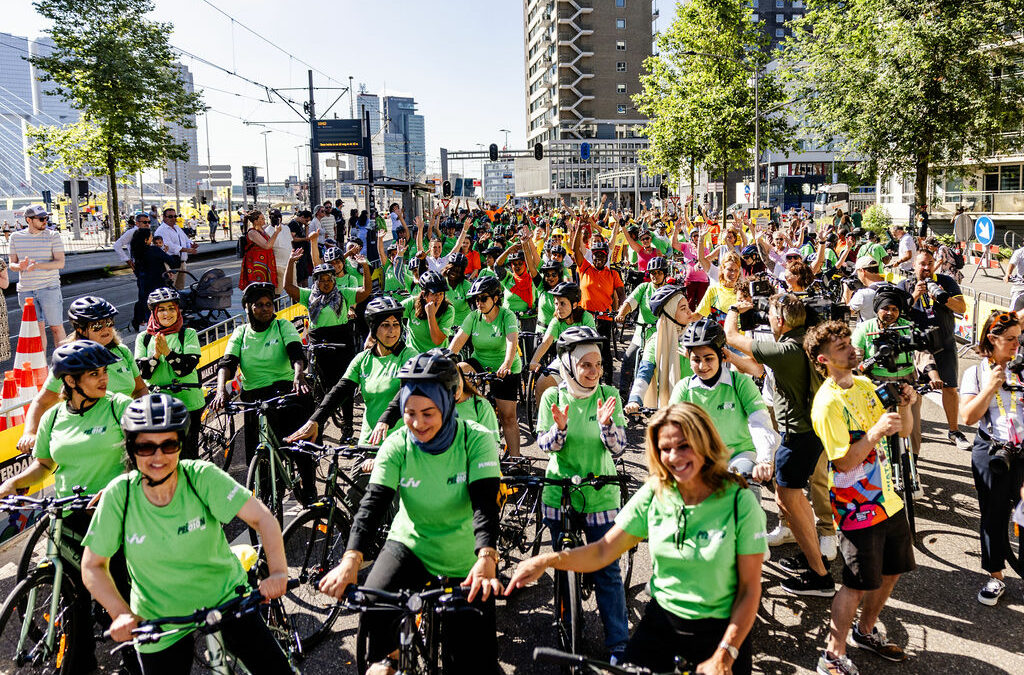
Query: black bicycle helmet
{"x": 381, "y": 308}
{"x": 661, "y": 296}
{"x": 574, "y": 336}
{"x": 494, "y": 251}
{"x": 659, "y": 263}
{"x": 551, "y": 266}
{"x": 568, "y": 290}
{"x": 332, "y": 254}
{"x": 432, "y": 282}
{"x": 704, "y": 333}
{"x": 599, "y": 247}
{"x": 392, "y": 246}
{"x": 155, "y": 413}
{"x": 164, "y": 294}
{"x": 257, "y": 290}
{"x": 749, "y": 251}
{"x": 516, "y": 255}
{"x": 557, "y": 250}
{"x": 459, "y": 261}
{"x": 414, "y": 263}
{"x": 435, "y": 365}
{"x": 90, "y": 308}
{"x": 323, "y": 268}
{"x": 78, "y": 357}
{"x": 489, "y": 286}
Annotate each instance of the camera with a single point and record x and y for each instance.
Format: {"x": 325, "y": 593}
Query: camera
{"x": 895, "y": 340}
{"x": 1016, "y": 366}
{"x": 1001, "y": 456}
{"x": 761, "y": 290}
{"x": 818, "y": 307}
{"x": 938, "y": 293}
{"x": 889, "y": 394}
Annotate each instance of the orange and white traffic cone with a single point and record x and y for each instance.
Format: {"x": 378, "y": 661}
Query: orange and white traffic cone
{"x": 30, "y": 344}
{"x": 27, "y": 387}
{"x": 13, "y": 414}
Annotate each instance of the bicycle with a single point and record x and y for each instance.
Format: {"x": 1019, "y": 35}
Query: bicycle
{"x": 520, "y": 527}
{"x": 572, "y": 588}
{"x": 206, "y": 621}
{"x": 316, "y": 372}
{"x": 530, "y": 399}
{"x": 38, "y": 623}
{"x": 315, "y": 540}
{"x": 577, "y": 662}
{"x": 482, "y": 382}
{"x": 421, "y": 649}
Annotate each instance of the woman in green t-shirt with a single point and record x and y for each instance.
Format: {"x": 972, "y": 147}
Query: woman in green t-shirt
{"x": 494, "y": 331}
{"x": 167, "y": 354}
{"x": 392, "y": 263}
{"x": 81, "y": 443}
{"x": 581, "y": 427}
{"x": 92, "y": 318}
{"x": 445, "y": 473}
{"x": 458, "y": 285}
{"x": 663, "y": 362}
{"x": 167, "y": 516}
{"x": 568, "y": 312}
{"x": 707, "y": 541}
{"x": 551, "y": 275}
{"x": 429, "y": 316}
{"x": 372, "y": 371}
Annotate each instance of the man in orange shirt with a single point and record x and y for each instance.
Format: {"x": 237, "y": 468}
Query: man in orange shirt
{"x": 602, "y": 290}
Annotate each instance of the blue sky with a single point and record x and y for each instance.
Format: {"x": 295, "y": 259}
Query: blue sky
{"x": 462, "y": 60}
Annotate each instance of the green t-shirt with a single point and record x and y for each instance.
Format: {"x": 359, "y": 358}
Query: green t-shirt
{"x": 794, "y": 392}
{"x": 435, "y": 515}
{"x": 729, "y": 403}
{"x": 327, "y": 316}
{"x": 164, "y": 374}
{"x": 418, "y": 330}
{"x": 699, "y": 581}
{"x": 557, "y": 326}
{"x": 489, "y": 338}
{"x": 120, "y": 376}
{"x": 478, "y": 409}
{"x": 486, "y": 272}
{"x": 391, "y": 281}
{"x": 583, "y": 452}
{"x": 448, "y": 245}
{"x": 650, "y": 354}
{"x": 876, "y": 251}
{"x": 262, "y": 356}
{"x": 88, "y": 448}
{"x": 660, "y": 244}
{"x": 457, "y": 297}
{"x": 178, "y": 557}
{"x": 545, "y": 305}
{"x": 864, "y": 341}
{"x": 513, "y": 301}
{"x": 641, "y": 297}
{"x": 375, "y": 376}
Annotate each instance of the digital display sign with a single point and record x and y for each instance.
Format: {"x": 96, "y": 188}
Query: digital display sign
{"x": 342, "y": 136}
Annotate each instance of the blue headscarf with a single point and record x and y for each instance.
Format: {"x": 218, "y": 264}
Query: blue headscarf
{"x": 445, "y": 401}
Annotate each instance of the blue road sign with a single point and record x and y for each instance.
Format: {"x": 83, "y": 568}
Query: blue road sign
{"x": 984, "y": 230}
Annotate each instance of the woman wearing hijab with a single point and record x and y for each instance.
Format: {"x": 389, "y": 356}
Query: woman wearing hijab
{"x": 578, "y": 446}
{"x": 663, "y": 362}
{"x": 443, "y": 527}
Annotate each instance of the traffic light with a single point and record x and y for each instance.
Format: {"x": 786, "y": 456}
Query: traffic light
{"x": 584, "y": 151}
{"x": 47, "y": 197}
{"x": 492, "y": 152}
{"x": 663, "y": 191}
{"x": 538, "y": 151}
{"x": 446, "y": 189}
{"x": 287, "y": 183}
{"x": 202, "y": 199}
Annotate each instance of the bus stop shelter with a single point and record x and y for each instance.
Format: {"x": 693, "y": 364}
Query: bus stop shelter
{"x": 417, "y": 199}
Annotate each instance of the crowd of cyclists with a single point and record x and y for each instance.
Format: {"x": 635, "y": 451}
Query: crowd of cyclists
{"x": 728, "y": 340}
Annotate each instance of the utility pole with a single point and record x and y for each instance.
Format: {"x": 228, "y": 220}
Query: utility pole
{"x": 351, "y": 100}
{"x": 314, "y": 165}
{"x": 266, "y": 168}
{"x": 177, "y": 194}
{"x": 369, "y": 165}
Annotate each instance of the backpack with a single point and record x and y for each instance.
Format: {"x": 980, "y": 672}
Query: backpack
{"x": 241, "y": 245}
{"x": 958, "y": 258}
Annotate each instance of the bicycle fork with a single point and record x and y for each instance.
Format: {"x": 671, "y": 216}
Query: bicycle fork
{"x": 53, "y": 556}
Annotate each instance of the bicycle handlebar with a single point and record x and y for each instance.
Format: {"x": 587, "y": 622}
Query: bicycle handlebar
{"x": 257, "y": 406}
{"x": 549, "y": 655}
{"x": 596, "y": 482}
{"x": 449, "y": 598}
{"x": 75, "y": 502}
{"x": 348, "y": 451}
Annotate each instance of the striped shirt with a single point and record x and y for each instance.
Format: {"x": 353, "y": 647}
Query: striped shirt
{"x": 40, "y": 248}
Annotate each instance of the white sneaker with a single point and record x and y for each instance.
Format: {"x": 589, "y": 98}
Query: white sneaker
{"x": 780, "y": 535}
{"x": 829, "y": 545}
{"x": 991, "y": 592}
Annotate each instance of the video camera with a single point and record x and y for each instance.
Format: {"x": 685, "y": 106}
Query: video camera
{"x": 895, "y": 340}
{"x": 818, "y": 307}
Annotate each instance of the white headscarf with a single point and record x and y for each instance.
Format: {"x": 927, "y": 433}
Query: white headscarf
{"x": 568, "y": 365}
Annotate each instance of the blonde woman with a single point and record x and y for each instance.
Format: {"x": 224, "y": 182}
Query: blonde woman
{"x": 707, "y": 541}
{"x": 663, "y": 362}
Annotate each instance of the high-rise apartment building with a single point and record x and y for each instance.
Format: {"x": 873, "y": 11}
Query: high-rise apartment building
{"x": 366, "y": 102}
{"x": 405, "y": 149}
{"x": 583, "y": 62}
{"x": 186, "y": 172}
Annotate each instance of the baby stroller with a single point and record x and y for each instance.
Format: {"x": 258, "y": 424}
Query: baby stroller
{"x": 206, "y": 300}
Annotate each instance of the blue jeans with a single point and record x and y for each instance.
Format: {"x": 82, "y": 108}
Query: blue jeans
{"x": 49, "y": 304}
{"x": 608, "y": 589}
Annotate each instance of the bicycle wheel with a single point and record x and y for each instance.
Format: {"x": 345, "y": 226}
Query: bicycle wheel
{"x": 217, "y": 437}
{"x": 575, "y": 599}
{"x": 1014, "y": 549}
{"x": 257, "y": 481}
{"x": 906, "y": 466}
{"x": 35, "y": 549}
{"x": 313, "y": 547}
{"x": 519, "y": 529}
{"x": 27, "y": 610}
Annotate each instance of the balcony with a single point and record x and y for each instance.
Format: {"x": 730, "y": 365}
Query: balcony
{"x": 1009, "y": 202}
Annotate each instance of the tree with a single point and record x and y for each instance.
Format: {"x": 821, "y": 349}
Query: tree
{"x": 698, "y": 94}
{"x": 910, "y": 85}
{"x": 116, "y": 67}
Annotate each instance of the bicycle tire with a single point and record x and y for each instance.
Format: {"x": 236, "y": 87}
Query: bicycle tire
{"x": 1014, "y": 549}
{"x": 32, "y": 555}
{"x": 908, "y": 491}
{"x": 257, "y": 482}
{"x": 12, "y": 615}
{"x": 217, "y": 437}
{"x": 519, "y": 529}
{"x": 313, "y": 548}
{"x": 575, "y": 588}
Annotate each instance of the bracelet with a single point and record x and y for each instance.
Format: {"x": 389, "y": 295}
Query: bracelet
{"x": 729, "y": 649}
{"x": 488, "y": 552}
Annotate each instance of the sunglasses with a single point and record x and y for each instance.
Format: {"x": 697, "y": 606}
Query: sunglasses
{"x": 168, "y": 447}
{"x": 1004, "y": 318}
{"x": 100, "y": 325}
{"x": 680, "y": 535}
{"x": 42, "y": 218}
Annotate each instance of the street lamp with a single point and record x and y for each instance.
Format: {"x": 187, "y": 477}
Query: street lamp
{"x": 507, "y": 132}
{"x": 266, "y": 167}
{"x": 757, "y": 116}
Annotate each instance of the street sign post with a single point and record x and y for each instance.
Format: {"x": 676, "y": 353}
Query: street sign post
{"x": 985, "y": 232}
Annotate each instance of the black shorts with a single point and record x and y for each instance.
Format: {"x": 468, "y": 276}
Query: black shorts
{"x": 946, "y": 365}
{"x": 796, "y": 459}
{"x": 870, "y": 553}
{"x": 508, "y": 388}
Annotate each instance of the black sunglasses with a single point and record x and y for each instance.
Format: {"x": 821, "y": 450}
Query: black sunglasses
{"x": 168, "y": 447}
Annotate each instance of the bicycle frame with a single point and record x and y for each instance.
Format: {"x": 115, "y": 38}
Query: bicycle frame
{"x": 52, "y": 558}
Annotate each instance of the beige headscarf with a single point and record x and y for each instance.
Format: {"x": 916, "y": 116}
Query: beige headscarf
{"x": 666, "y": 355}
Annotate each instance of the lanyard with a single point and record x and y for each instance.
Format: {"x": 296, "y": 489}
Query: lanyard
{"x": 1011, "y": 429}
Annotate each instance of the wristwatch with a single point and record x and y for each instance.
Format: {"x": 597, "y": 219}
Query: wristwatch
{"x": 488, "y": 552}
{"x": 732, "y": 651}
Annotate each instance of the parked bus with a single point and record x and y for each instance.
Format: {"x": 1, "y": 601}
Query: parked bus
{"x": 835, "y": 196}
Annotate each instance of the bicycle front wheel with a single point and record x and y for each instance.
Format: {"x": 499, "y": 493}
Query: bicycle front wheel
{"x": 217, "y": 437}
{"x": 260, "y": 485}
{"x": 35, "y": 549}
{"x": 313, "y": 546}
{"x": 27, "y": 611}
{"x": 906, "y": 464}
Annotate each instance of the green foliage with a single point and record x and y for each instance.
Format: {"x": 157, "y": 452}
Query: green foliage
{"x": 908, "y": 85}
{"x": 702, "y": 107}
{"x": 117, "y": 67}
{"x": 877, "y": 219}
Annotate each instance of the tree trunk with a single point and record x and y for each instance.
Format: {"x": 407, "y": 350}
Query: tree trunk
{"x": 921, "y": 168}
{"x": 115, "y": 212}
{"x": 693, "y": 178}
{"x": 725, "y": 188}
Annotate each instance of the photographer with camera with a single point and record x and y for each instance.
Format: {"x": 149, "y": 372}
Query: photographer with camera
{"x": 993, "y": 398}
{"x": 860, "y": 294}
{"x": 888, "y": 344}
{"x": 937, "y": 300}
{"x": 797, "y": 457}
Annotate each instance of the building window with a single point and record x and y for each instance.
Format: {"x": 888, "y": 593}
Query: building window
{"x": 621, "y": 109}
{"x": 620, "y": 45}
{"x": 620, "y": 3}
{"x": 754, "y": 17}
{"x": 781, "y": 4}
{"x": 620, "y": 24}
{"x": 620, "y": 89}
{"x": 780, "y": 32}
{"x": 1009, "y": 177}
{"x": 780, "y": 18}
{"x": 620, "y": 67}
